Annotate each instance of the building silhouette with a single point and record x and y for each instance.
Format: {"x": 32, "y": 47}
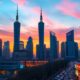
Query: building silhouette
{"x": 70, "y": 36}
{"x": 63, "y": 49}
{"x": 29, "y": 47}
{"x": 41, "y": 46}
{"x": 53, "y": 47}
{"x": 21, "y": 46}
{"x": 0, "y": 47}
{"x": 70, "y": 47}
{"x": 16, "y": 32}
{"x": 6, "y": 50}
{"x": 47, "y": 54}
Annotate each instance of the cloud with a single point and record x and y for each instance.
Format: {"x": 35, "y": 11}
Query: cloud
{"x": 19, "y": 2}
{"x": 69, "y": 8}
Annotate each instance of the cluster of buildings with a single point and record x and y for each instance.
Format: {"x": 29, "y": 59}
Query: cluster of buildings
{"x": 69, "y": 49}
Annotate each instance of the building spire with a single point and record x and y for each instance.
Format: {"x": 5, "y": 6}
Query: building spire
{"x": 17, "y": 17}
{"x": 41, "y": 17}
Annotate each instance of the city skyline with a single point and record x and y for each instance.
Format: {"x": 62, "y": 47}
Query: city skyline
{"x": 7, "y": 34}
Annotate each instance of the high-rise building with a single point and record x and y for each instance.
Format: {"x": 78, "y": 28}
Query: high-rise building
{"x": 71, "y": 50}
{"x": 6, "y": 50}
{"x": 29, "y": 47}
{"x": 70, "y": 47}
{"x": 0, "y": 47}
{"x": 41, "y": 46}
{"x": 41, "y": 30}
{"x": 70, "y": 36}
{"x": 53, "y": 47}
{"x": 21, "y": 45}
{"x": 16, "y": 33}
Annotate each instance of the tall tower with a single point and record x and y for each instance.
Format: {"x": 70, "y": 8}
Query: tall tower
{"x": 41, "y": 46}
{"x": 16, "y": 32}
{"x": 41, "y": 30}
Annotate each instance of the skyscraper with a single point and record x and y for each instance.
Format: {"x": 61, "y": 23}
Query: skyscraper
{"x": 29, "y": 47}
{"x": 6, "y": 50}
{"x": 41, "y": 46}
{"x": 70, "y": 47}
{"x": 0, "y": 47}
{"x": 70, "y": 36}
{"x": 16, "y": 32}
{"x": 53, "y": 47}
{"x": 41, "y": 30}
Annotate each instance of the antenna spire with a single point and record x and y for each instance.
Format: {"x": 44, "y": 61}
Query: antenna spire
{"x": 41, "y": 17}
{"x": 17, "y": 17}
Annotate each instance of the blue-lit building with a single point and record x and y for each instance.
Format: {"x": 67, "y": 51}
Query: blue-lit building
{"x": 29, "y": 47}
{"x": 54, "y": 48}
{"x": 8, "y": 68}
{"x": 0, "y": 48}
{"x": 41, "y": 46}
{"x": 16, "y": 33}
{"x": 70, "y": 47}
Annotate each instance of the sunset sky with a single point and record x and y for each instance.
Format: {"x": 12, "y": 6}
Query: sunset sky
{"x": 59, "y": 16}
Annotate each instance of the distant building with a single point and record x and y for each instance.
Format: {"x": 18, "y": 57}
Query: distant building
{"x": 70, "y": 47}
{"x": 0, "y": 47}
{"x": 29, "y": 47}
{"x": 21, "y": 45}
{"x": 40, "y": 53}
{"x": 54, "y": 48}
{"x": 16, "y": 33}
{"x": 6, "y": 50}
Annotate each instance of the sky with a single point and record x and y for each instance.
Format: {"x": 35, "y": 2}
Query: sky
{"x": 59, "y": 16}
